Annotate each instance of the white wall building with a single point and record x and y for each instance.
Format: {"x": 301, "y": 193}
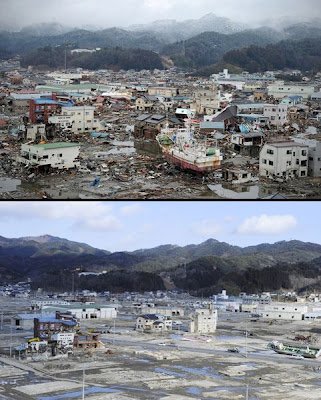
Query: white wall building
{"x": 284, "y": 160}
{"x": 276, "y": 113}
{"x": 283, "y": 311}
{"x": 88, "y": 311}
{"x": 54, "y": 155}
{"x": 77, "y": 119}
{"x": 203, "y": 321}
{"x": 279, "y": 90}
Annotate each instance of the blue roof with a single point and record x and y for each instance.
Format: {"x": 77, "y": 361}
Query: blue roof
{"x": 46, "y": 101}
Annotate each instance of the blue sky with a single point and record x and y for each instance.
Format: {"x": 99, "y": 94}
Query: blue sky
{"x": 117, "y": 226}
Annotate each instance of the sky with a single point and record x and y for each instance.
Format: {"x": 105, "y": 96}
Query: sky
{"x": 128, "y": 226}
{"x": 107, "y": 13}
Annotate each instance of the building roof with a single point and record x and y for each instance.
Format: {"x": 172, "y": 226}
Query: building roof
{"x": 57, "y": 321}
{"x": 45, "y": 101}
{"x": 153, "y": 317}
{"x": 286, "y": 144}
{"x": 59, "y": 145}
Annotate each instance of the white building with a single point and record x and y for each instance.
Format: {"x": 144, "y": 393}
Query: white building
{"x": 203, "y": 321}
{"x": 77, "y": 119}
{"x": 279, "y": 90}
{"x": 87, "y": 311}
{"x": 54, "y": 155}
{"x": 276, "y": 113}
{"x": 283, "y": 311}
{"x": 284, "y": 160}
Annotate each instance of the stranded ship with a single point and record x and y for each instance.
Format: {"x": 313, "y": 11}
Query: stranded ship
{"x": 181, "y": 148}
{"x": 294, "y": 350}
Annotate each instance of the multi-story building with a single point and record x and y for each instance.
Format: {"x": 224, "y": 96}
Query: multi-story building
{"x": 203, "y": 320}
{"x": 277, "y": 114}
{"x": 206, "y": 100}
{"x": 315, "y": 160}
{"x": 77, "y": 119}
{"x": 284, "y": 160}
{"x": 279, "y": 90}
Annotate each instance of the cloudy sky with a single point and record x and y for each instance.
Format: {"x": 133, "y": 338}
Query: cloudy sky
{"x": 117, "y": 226}
{"x": 106, "y": 13}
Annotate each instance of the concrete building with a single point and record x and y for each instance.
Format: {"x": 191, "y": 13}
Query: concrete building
{"x": 165, "y": 311}
{"x": 279, "y": 90}
{"x": 79, "y": 119}
{"x": 314, "y": 165}
{"x": 277, "y": 114}
{"x": 46, "y": 327}
{"x": 282, "y": 311}
{"x": 54, "y": 155}
{"x": 206, "y": 101}
{"x": 163, "y": 91}
{"x": 203, "y": 321}
{"x": 248, "y": 144}
{"x": 41, "y": 109}
{"x": 284, "y": 160}
{"x": 36, "y": 132}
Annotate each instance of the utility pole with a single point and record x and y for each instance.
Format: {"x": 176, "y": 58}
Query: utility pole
{"x": 1, "y": 321}
{"x": 246, "y": 339}
{"x": 247, "y": 392}
{"x": 10, "y": 347}
{"x": 114, "y": 331}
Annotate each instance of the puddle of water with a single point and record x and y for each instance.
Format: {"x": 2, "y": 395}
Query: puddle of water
{"x": 169, "y": 372}
{"x": 205, "y": 371}
{"x": 194, "y": 390}
{"x": 9, "y": 185}
{"x": 245, "y": 192}
{"x": 78, "y": 394}
{"x": 122, "y": 144}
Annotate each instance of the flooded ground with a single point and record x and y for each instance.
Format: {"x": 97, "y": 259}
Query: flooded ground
{"x": 8, "y": 185}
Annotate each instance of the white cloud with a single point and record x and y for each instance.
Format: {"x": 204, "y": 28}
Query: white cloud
{"x": 131, "y": 209}
{"x": 267, "y": 225}
{"x": 108, "y": 223}
{"x": 92, "y": 215}
{"x": 207, "y": 228}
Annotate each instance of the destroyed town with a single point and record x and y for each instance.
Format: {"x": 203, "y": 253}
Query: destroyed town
{"x": 116, "y": 312}
{"x": 204, "y": 108}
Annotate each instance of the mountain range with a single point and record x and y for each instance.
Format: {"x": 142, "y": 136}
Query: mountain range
{"x": 204, "y": 268}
